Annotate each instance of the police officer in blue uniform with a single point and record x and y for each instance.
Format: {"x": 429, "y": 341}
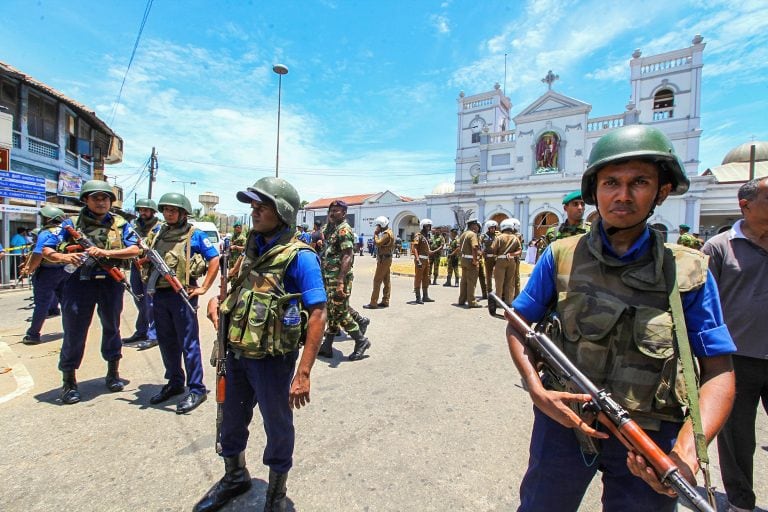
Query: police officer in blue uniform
{"x": 145, "y": 335}
{"x": 186, "y": 251}
{"x": 90, "y": 287}
{"x": 260, "y": 363}
{"x": 47, "y": 278}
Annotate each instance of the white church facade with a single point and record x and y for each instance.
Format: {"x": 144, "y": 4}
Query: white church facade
{"x": 522, "y": 166}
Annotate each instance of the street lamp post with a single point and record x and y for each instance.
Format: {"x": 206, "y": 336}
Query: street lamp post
{"x": 281, "y": 70}
{"x": 184, "y": 185}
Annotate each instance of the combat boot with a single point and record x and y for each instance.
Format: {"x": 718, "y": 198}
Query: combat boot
{"x": 113, "y": 378}
{"x": 362, "y": 321}
{"x": 236, "y": 481}
{"x": 418, "y": 297}
{"x": 275, "y": 498}
{"x": 447, "y": 282}
{"x": 69, "y": 393}
{"x": 361, "y": 345}
{"x": 426, "y": 297}
{"x": 326, "y": 349}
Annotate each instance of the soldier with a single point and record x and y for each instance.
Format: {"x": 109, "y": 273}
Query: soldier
{"x": 469, "y": 248}
{"x": 507, "y": 249}
{"x": 421, "y": 254}
{"x": 89, "y": 286}
{"x": 687, "y": 239}
{"x": 304, "y": 234}
{"x": 48, "y": 278}
{"x": 574, "y": 224}
{"x": 489, "y": 258}
{"x": 436, "y": 244}
{"x": 384, "y": 239}
{"x": 237, "y": 245}
{"x": 337, "y": 274}
{"x": 187, "y": 251}
{"x": 453, "y": 258}
{"x": 145, "y": 334}
{"x": 260, "y": 360}
{"x": 615, "y": 295}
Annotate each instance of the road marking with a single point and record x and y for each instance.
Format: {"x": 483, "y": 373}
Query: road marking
{"x": 24, "y": 381}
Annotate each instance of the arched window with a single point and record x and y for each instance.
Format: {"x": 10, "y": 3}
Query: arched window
{"x": 663, "y": 104}
{"x": 544, "y": 221}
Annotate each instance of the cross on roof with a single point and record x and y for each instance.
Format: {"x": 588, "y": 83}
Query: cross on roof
{"x": 550, "y": 78}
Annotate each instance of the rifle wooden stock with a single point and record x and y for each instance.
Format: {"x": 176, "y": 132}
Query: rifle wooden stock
{"x": 609, "y": 412}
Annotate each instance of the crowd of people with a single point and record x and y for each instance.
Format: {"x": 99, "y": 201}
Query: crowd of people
{"x": 633, "y": 313}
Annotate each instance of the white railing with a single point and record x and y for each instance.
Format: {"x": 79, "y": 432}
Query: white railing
{"x": 605, "y": 123}
{"x": 661, "y": 114}
{"x": 478, "y": 103}
{"x": 665, "y": 64}
{"x": 501, "y": 137}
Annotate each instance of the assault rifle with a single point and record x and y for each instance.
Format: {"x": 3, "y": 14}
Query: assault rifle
{"x": 89, "y": 262}
{"x": 219, "y": 355}
{"x": 609, "y": 412}
{"x": 161, "y": 269}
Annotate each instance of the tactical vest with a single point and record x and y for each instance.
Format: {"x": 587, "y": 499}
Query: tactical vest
{"x": 144, "y": 228}
{"x": 257, "y": 302}
{"x": 617, "y": 326}
{"x": 173, "y": 245}
{"x": 56, "y": 230}
{"x": 104, "y": 236}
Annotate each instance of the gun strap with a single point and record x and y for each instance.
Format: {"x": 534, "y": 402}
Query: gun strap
{"x": 689, "y": 374}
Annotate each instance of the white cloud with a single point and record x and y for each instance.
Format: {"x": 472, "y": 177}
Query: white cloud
{"x": 441, "y": 23}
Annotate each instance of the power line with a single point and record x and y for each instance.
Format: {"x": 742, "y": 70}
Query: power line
{"x": 133, "y": 54}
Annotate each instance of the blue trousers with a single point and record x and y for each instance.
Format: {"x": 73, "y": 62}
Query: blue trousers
{"x": 178, "y": 335}
{"x": 558, "y": 475}
{"x": 48, "y": 283}
{"x": 265, "y": 382}
{"x": 78, "y": 302}
{"x": 145, "y": 320}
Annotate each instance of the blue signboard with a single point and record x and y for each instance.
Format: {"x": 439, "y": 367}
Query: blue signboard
{"x": 22, "y": 186}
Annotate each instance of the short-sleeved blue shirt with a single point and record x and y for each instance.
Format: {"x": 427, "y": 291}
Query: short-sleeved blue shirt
{"x": 303, "y": 274}
{"x": 199, "y": 243}
{"x": 128, "y": 235}
{"x": 703, "y": 313}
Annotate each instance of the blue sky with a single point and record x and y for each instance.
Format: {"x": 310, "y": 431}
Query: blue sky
{"x": 369, "y": 102}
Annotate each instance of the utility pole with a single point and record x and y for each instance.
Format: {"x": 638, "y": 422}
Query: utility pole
{"x": 152, "y": 171}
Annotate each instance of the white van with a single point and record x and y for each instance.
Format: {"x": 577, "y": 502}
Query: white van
{"x": 210, "y": 229}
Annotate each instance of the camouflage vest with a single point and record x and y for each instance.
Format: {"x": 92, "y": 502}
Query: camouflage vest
{"x": 257, "y": 302}
{"x": 172, "y": 244}
{"x": 144, "y": 228}
{"x": 688, "y": 240}
{"x": 337, "y": 239}
{"x": 617, "y": 326}
{"x": 566, "y": 230}
{"x": 105, "y": 236}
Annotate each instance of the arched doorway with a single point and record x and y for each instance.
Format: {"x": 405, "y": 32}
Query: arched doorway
{"x": 543, "y": 221}
{"x": 498, "y": 217}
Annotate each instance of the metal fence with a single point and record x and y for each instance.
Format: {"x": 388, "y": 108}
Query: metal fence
{"x": 9, "y": 272}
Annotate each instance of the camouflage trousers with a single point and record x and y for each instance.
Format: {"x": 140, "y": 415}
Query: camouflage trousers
{"x": 338, "y": 308}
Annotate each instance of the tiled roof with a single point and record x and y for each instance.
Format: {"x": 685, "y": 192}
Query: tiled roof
{"x": 736, "y": 172}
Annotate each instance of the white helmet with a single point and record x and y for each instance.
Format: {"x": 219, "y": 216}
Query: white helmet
{"x": 381, "y": 221}
{"x": 490, "y": 224}
{"x": 425, "y": 222}
{"x": 510, "y": 223}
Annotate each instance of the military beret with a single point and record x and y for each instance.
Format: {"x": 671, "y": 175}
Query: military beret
{"x": 685, "y": 226}
{"x": 576, "y": 194}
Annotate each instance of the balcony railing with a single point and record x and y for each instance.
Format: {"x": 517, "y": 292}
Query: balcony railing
{"x": 42, "y": 148}
{"x": 665, "y": 65}
{"x": 661, "y": 114}
{"x": 605, "y": 123}
{"x": 501, "y": 137}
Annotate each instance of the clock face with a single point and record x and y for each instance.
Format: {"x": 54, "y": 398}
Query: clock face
{"x": 474, "y": 171}
{"x": 477, "y": 124}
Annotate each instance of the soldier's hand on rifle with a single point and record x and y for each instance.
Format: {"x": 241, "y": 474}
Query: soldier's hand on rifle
{"x": 97, "y": 252}
{"x": 212, "y": 311}
{"x": 72, "y": 258}
{"x": 639, "y": 467}
{"x": 555, "y": 404}
{"x": 196, "y": 292}
{"x": 299, "y": 394}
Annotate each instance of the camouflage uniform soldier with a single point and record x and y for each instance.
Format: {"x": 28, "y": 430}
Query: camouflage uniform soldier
{"x": 238, "y": 243}
{"x": 421, "y": 254}
{"x": 688, "y": 239}
{"x": 574, "y": 224}
{"x": 337, "y": 274}
{"x": 453, "y": 258}
{"x": 436, "y": 244}
{"x": 489, "y": 258}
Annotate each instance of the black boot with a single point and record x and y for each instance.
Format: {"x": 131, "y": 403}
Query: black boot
{"x": 426, "y": 298}
{"x": 361, "y": 345}
{"x": 362, "y": 321}
{"x": 275, "y": 497}
{"x": 418, "y": 297}
{"x": 69, "y": 392}
{"x": 447, "y": 282}
{"x": 326, "y": 349}
{"x": 236, "y": 481}
{"x": 113, "y": 378}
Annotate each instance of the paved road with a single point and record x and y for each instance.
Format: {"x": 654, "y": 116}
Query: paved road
{"x": 433, "y": 420}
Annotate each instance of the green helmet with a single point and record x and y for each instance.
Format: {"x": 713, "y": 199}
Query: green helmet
{"x": 634, "y": 142}
{"x": 175, "y": 199}
{"x": 146, "y": 203}
{"x": 277, "y": 191}
{"x": 93, "y": 186}
{"x": 51, "y": 212}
